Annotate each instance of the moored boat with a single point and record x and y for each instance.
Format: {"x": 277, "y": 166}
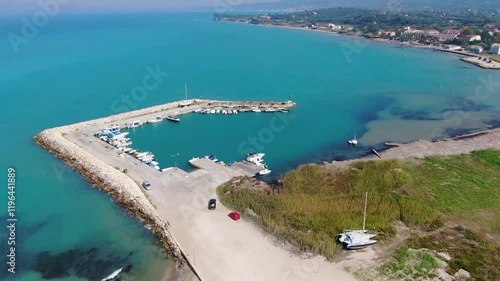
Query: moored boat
{"x": 265, "y": 171}
{"x": 155, "y": 119}
{"x": 173, "y": 118}
{"x": 212, "y": 158}
{"x": 256, "y": 158}
{"x": 135, "y": 124}
{"x": 353, "y": 141}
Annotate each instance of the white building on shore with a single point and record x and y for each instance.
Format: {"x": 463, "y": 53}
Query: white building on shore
{"x": 495, "y": 49}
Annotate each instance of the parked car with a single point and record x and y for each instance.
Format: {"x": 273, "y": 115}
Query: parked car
{"x": 234, "y": 215}
{"x": 212, "y": 203}
{"x": 146, "y": 185}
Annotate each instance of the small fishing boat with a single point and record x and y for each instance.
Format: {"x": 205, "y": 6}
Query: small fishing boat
{"x": 255, "y": 158}
{"x": 135, "y": 124}
{"x": 353, "y": 141}
{"x": 173, "y": 118}
{"x": 194, "y": 159}
{"x": 155, "y": 119}
{"x": 265, "y": 171}
{"x": 212, "y": 158}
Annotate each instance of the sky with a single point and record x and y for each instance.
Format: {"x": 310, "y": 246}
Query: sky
{"x": 22, "y": 6}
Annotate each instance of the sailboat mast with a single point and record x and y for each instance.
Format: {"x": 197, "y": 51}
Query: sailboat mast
{"x": 186, "y": 90}
{"x": 364, "y": 217}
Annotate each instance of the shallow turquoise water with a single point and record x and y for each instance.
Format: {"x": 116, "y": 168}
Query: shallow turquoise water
{"x": 80, "y": 67}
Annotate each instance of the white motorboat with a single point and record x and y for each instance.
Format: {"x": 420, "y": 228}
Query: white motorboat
{"x": 212, "y": 111}
{"x": 254, "y": 109}
{"x": 212, "y": 158}
{"x": 120, "y": 135}
{"x": 173, "y": 118}
{"x": 224, "y": 112}
{"x": 265, "y": 171}
{"x": 194, "y": 159}
{"x": 358, "y": 239}
{"x": 353, "y": 141}
{"x": 217, "y": 111}
{"x": 155, "y": 119}
{"x": 135, "y": 124}
{"x": 255, "y": 158}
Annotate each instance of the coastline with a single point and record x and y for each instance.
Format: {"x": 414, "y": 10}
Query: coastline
{"x": 460, "y": 144}
{"x": 464, "y": 55}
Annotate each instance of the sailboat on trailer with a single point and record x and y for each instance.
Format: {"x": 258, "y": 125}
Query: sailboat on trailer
{"x": 358, "y": 239}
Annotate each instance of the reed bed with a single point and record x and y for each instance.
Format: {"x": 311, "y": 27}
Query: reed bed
{"x": 316, "y": 203}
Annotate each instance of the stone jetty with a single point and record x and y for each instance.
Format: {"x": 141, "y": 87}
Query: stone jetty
{"x": 119, "y": 185}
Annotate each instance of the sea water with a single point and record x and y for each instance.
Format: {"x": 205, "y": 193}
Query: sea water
{"x": 80, "y": 67}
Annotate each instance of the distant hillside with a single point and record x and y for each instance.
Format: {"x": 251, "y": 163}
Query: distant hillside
{"x": 374, "y": 4}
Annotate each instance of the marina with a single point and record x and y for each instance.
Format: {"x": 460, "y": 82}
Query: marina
{"x": 116, "y": 168}
{"x": 113, "y": 135}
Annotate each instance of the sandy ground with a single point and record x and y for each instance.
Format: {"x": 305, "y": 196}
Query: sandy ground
{"x": 218, "y": 247}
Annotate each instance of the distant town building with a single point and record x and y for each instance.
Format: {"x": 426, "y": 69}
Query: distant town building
{"x": 452, "y": 31}
{"x": 453, "y": 47}
{"x": 475, "y": 49}
{"x": 386, "y": 33}
{"x": 412, "y": 34}
{"x": 335, "y": 27}
{"x": 431, "y": 32}
{"x": 495, "y": 30}
{"x": 470, "y": 38}
{"x": 495, "y": 49}
{"x": 446, "y": 37}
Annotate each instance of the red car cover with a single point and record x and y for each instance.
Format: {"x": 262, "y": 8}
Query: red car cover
{"x": 234, "y": 215}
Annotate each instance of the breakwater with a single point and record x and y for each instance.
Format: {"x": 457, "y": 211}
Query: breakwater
{"x": 120, "y": 186}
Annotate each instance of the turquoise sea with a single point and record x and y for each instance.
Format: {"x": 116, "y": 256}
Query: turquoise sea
{"x": 80, "y": 67}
